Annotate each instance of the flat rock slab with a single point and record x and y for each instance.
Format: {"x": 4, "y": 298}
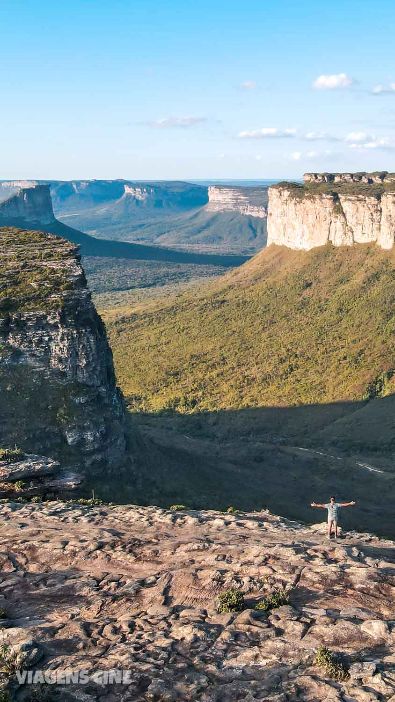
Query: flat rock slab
{"x": 30, "y": 466}
{"x": 135, "y": 589}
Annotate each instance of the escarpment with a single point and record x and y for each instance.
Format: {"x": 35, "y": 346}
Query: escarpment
{"x": 246, "y": 201}
{"x": 342, "y": 209}
{"x": 21, "y": 201}
{"x": 58, "y": 395}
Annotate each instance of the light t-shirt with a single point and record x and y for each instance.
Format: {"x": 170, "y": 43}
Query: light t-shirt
{"x": 333, "y": 511}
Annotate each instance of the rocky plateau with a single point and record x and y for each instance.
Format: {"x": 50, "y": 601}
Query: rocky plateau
{"x": 136, "y": 589}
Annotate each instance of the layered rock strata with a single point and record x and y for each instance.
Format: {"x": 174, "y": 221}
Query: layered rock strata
{"x": 303, "y": 217}
{"x": 246, "y": 201}
{"x": 58, "y": 394}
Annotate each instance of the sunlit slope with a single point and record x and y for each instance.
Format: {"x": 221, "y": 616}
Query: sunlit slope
{"x": 287, "y": 328}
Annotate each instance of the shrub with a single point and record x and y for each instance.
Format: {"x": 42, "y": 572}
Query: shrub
{"x": 332, "y": 665}
{"x": 9, "y": 660}
{"x": 87, "y": 502}
{"x": 11, "y": 455}
{"x": 36, "y": 498}
{"x": 3, "y": 613}
{"x": 232, "y": 510}
{"x": 177, "y": 508}
{"x": 277, "y": 598}
{"x": 19, "y": 485}
{"x": 230, "y": 601}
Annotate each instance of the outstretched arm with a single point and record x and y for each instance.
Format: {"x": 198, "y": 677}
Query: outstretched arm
{"x": 316, "y": 504}
{"x": 347, "y": 504}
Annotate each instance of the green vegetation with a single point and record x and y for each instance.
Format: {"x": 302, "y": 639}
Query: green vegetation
{"x": 287, "y": 328}
{"x": 232, "y": 510}
{"x": 332, "y": 665}
{"x": 301, "y": 190}
{"x": 19, "y": 485}
{"x": 177, "y": 508}
{"x": 32, "y": 271}
{"x": 11, "y": 455}
{"x": 3, "y": 613}
{"x": 86, "y": 502}
{"x": 277, "y": 598}
{"x": 231, "y": 600}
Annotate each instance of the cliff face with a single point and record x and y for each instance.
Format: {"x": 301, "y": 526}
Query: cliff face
{"x": 246, "y": 201}
{"x": 303, "y": 217}
{"x": 57, "y": 386}
{"x": 30, "y": 204}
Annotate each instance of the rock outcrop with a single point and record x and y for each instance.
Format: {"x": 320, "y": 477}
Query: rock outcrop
{"x": 366, "y": 178}
{"x": 33, "y": 475}
{"x": 58, "y": 395}
{"x": 246, "y": 201}
{"x": 31, "y": 203}
{"x": 340, "y": 210}
{"x": 134, "y": 589}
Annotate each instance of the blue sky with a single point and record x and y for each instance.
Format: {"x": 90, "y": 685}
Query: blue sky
{"x": 152, "y": 89}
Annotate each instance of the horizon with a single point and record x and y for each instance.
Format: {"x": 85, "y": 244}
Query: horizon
{"x": 142, "y": 91}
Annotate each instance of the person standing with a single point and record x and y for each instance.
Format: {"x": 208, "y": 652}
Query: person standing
{"x": 333, "y": 512}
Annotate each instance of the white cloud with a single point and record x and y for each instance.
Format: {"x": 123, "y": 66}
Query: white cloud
{"x": 310, "y": 155}
{"x": 248, "y": 85}
{"x": 320, "y": 136}
{"x": 296, "y": 155}
{"x": 383, "y": 89}
{"x": 333, "y": 81}
{"x": 169, "y": 122}
{"x": 357, "y": 137}
{"x": 374, "y": 143}
{"x": 267, "y": 133}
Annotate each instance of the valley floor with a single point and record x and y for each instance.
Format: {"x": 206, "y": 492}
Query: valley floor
{"x": 133, "y": 588}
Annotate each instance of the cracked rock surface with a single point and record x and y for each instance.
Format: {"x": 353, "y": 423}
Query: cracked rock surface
{"x": 135, "y": 588}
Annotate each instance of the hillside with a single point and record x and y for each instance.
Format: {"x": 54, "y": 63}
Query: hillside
{"x": 100, "y": 589}
{"x": 287, "y": 328}
{"x": 271, "y": 384}
{"x": 168, "y": 213}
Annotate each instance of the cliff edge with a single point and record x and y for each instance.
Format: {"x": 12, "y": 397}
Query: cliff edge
{"x": 342, "y": 209}
{"x": 58, "y": 395}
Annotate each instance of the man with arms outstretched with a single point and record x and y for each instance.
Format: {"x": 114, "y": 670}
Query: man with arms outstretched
{"x": 333, "y": 512}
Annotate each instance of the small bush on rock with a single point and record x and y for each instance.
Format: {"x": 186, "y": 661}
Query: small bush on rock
{"x": 177, "y": 508}
{"x": 230, "y": 601}
{"x": 277, "y": 598}
{"x": 333, "y": 666}
{"x": 232, "y": 510}
{"x": 11, "y": 455}
{"x": 19, "y": 485}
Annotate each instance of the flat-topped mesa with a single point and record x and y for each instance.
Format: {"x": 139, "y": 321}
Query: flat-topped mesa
{"x": 362, "y": 177}
{"x": 246, "y": 201}
{"x": 31, "y": 203}
{"x": 58, "y": 395}
{"x": 342, "y": 209}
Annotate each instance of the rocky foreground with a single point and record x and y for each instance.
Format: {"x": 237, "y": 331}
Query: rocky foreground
{"x": 134, "y": 588}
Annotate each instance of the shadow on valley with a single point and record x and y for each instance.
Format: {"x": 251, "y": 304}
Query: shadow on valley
{"x": 276, "y": 458}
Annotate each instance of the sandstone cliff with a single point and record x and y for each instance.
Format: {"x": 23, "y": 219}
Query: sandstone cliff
{"x": 246, "y": 201}
{"x": 30, "y": 203}
{"x": 343, "y": 211}
{"x": 58, "y": 395}
{"x": 135, "y": 589}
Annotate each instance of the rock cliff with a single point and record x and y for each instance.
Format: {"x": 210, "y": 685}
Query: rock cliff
{"x": 246, "y": 201}
{"x": 341, "y": 209}
{"x": 31, "y": 203}
{"x": 58, "y": 395}
{"x": 136, "y": 589}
